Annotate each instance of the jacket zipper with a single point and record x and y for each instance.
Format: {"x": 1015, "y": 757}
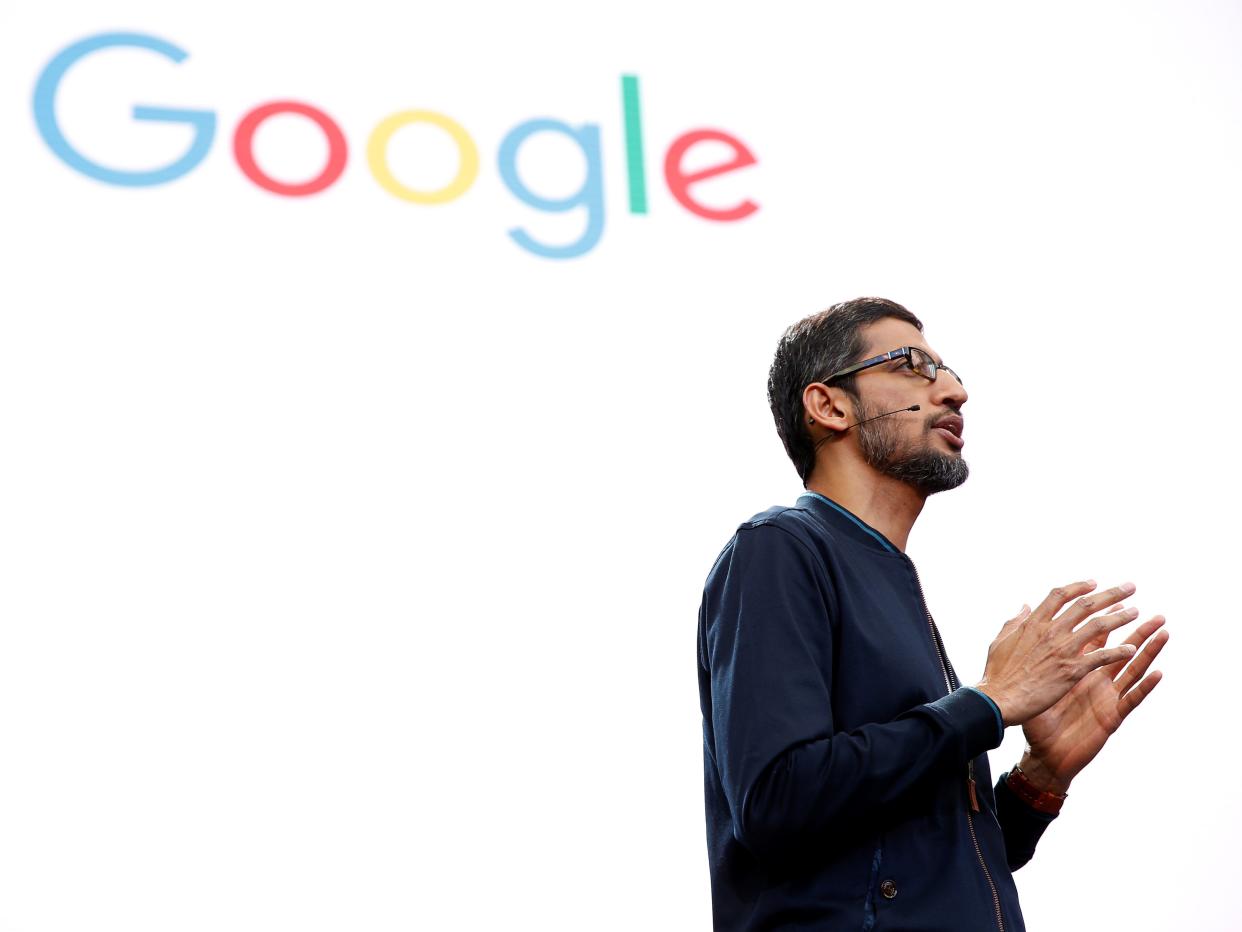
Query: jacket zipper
{"x": 970, "y": 765}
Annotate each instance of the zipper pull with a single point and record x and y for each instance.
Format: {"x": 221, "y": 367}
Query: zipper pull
{"x": 970, "y": 786}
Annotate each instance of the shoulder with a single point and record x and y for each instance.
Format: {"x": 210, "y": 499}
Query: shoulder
{"x": 794, "y": 521}
{"x": 781, "y": 534}
{"x": 771, "y": 579}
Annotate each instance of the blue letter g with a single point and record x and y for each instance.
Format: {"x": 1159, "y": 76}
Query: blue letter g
{"x": 203, "y": 121}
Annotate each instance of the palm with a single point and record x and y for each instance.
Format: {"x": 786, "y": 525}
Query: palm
{"x": 1067, "y": 736}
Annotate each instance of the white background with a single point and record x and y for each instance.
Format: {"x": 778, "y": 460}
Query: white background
{"x": 350, "y": 556}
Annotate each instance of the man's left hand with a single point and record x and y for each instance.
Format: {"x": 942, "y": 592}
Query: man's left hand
{"x": 1062, "y": 740}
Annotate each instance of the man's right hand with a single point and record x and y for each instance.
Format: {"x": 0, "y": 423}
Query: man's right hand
{"x": 1038, "y": 657}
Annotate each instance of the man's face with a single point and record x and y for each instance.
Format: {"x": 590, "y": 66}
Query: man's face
{"x": 909, "y": 446}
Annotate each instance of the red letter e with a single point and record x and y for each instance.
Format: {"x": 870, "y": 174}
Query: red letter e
{"x": 679, "y": 182}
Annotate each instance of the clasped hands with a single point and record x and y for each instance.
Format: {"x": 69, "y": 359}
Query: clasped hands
{"x": 1053, "y": 675}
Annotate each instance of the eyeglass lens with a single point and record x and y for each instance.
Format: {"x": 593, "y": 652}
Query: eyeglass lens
{"x": 926, "y": 366}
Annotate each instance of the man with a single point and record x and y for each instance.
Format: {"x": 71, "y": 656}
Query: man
{"x": 846, "y": 774}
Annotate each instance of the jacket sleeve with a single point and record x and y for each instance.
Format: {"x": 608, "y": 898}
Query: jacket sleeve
{"x": 1021, "y": 825}
{"x": 789, "y": 776}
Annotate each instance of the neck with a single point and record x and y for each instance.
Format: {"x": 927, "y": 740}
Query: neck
{"x": 888, "y": 505}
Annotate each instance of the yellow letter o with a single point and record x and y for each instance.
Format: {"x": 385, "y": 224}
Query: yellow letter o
{"x": 377, "y": 157}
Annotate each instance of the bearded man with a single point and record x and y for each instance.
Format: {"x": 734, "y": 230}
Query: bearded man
{"x": 845, "y": 766}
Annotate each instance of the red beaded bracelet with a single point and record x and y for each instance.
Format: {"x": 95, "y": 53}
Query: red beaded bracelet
{"x": 1033, "y": 796}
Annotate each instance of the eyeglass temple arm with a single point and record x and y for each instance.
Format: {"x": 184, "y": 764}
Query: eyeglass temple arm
{"x": 873, "y": 361}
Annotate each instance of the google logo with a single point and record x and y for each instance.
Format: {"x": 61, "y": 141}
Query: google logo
{"x": 589, "y": 197}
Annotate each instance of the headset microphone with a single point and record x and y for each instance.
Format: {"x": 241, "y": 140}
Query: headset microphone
{"x": 864, "y": 421}
{"x": 885, "y": 414}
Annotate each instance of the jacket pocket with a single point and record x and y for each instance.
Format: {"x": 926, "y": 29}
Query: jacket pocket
{"x": 873, "y": 885}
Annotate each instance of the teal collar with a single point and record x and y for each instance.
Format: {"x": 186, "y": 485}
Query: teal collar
{"x": 854, "y": 519}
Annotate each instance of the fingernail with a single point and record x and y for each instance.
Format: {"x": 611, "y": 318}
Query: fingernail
{"x": 1130, "y": 648}
{"x": 1091, "y": 582}
{"x": 1128, "y": 587}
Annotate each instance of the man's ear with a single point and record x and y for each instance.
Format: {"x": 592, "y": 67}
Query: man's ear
{"x": 830, "y": 408}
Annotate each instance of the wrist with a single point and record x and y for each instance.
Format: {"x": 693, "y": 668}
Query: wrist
{"x": 997, "y": 701}
{"x": 1041, "y": 776}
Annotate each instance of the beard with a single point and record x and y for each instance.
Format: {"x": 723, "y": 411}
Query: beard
{"x": 927, "y": 470}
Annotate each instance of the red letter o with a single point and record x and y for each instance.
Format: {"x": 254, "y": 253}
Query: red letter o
{"x": 243, "y": 150}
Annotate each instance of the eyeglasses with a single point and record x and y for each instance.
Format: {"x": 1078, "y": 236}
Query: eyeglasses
{"x": 920, "y": 361}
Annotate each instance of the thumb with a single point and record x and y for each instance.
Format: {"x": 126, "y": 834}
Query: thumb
{"x": 1017, "y": 619}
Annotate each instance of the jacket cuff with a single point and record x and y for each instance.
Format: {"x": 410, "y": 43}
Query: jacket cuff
{"x": 973, "y": 716}
{"x": 1000, "y": 719}
{"x": 1021, "y": 825}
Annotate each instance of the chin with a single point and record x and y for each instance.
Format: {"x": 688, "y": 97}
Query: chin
{"x": 933, "y": 472}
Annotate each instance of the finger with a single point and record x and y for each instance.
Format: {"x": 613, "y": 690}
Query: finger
{"x": 1087, "y": 605}
{"x": 1130, "y": 701}
{"x": 1115, "y": 607}
{"x": 1103, "y": 657}
{"x": 1102, "y": 639}
{"x": 1023, "y": 614}
{"x": 1099, "y": 628}
{"x": 1137, "y": 637}
{"x": 1139, "y": 665}
{"x": 1059, "y": 596}
{"x": 1099, "y": 640}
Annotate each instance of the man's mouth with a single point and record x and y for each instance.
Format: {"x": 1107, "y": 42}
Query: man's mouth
{"x": 951, "y": 428}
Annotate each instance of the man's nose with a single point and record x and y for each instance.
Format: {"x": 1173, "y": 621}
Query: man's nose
{"x": 947, "y": 391}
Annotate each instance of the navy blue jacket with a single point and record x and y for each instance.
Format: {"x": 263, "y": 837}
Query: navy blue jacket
{"x": 840, "y": 752}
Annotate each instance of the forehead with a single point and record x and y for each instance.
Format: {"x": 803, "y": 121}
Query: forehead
{"x": 890, "y": 333}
